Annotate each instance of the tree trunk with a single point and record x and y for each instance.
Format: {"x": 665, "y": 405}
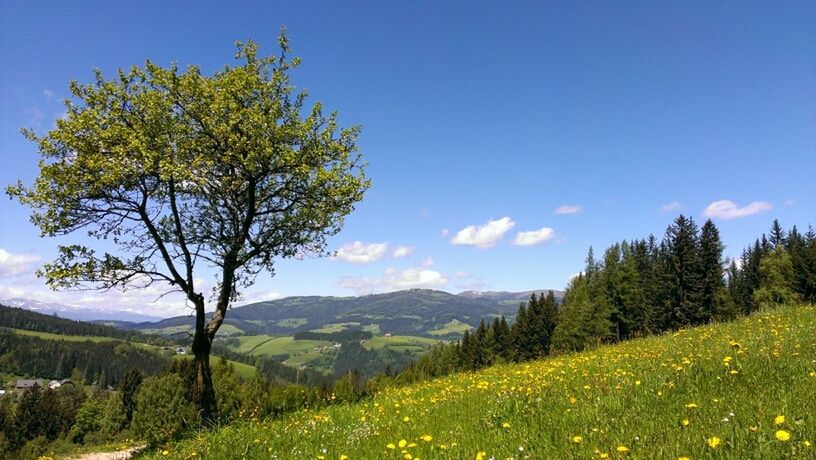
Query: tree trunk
{"x": 204, "y": 393}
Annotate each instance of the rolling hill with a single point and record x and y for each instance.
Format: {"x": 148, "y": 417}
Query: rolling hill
{"x": 415, "y": 312}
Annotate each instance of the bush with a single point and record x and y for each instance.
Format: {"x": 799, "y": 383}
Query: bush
{"x": 88, "y": 419}
{"x": 162, "y": 410}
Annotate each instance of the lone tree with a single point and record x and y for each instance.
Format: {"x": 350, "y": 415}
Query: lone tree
{"x": 186, "y": 173}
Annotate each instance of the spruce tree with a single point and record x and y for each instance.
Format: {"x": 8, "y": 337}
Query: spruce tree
{"x": 777, "y": 236}
{"x": 681, "y": 277}
{"x": 711, "y": 273}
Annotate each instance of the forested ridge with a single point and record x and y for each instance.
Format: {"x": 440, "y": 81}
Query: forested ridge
{"x": 18, "y": 318}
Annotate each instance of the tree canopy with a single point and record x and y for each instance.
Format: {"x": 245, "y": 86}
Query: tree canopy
{"x": 184, "y": 172}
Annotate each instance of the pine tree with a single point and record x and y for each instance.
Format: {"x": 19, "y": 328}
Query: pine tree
{"x": 128, "y": 386}
{"x": 777, "y": 236}
{"x": 680, "y": 280}
{"x": 711, "y": 274}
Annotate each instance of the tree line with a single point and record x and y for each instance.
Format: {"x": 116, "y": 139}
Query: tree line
{"x": 638, "y": 288}
{"x": 18, "y": 318}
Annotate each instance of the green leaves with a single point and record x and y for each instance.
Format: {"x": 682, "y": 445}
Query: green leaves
{"x": 177, "y": 168}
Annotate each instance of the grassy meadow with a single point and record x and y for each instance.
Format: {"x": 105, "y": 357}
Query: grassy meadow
{"x": 738, "y": 390}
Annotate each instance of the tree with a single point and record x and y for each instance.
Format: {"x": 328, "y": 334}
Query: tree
{"x": 777, "y": 234}
{"x": 162, "y": 409}
{"x": 711, "y": 272}
{"x": 186, "y": 173}
{"x": 776, "y": 285}
{"x": 128, "y": 386}
{"x": 681, "y": 281}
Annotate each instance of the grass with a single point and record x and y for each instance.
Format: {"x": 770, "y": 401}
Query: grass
{"x": 242, "y": 370}
{"x": 272, "y": 346}
{"x": 452, "y": 327}
{"x": 399, "y": 342}
{"x": 738, "y": 390}
{"x": 69, "y": 338}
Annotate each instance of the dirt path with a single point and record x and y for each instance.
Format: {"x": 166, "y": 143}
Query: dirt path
{"x": 119, "y": 455}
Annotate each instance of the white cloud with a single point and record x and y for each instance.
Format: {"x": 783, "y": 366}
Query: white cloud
{"x": 445, "y": 232}
{"x": 395, "y": 280}
{"x": 534, "y": 237}
{"x": 669, "y": 207}
{"x": 483, "y": 236}
{"x": 427, "y": 262}
{"x": 402, "y": 251}
{"x": 727, "y": 209}
{"x": 568, "y": 209}
{"x": 362, "y": 253}
{"x": 16, "y": 264}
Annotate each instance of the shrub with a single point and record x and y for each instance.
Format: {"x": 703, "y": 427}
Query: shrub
{"x": 162, "y": 410}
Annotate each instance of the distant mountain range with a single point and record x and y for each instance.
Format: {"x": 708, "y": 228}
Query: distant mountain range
{"x": 79, "y": 313}
{"x": 416, "y": 312}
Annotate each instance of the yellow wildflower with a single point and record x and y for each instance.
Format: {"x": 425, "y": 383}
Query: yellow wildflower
{"x": 685, "y": 422}
{"x": 714, "y": 442}
{"x": 780, "y": 419}
{"x": 402, "y": 443}
{"x": 577, "y": 439}
{"x": 782, "y": 435}
{"x": 622, "y": 449}
{"x": 427, "y": 438}
{"x": 505, "y": 425}
{"x": 391, "y": 445}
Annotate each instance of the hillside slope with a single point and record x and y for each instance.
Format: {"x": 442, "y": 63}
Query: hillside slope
{"x": 737, "y": 390}
{"x": 417, "y": 312}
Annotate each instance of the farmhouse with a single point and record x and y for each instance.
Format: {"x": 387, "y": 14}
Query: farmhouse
{"x": 23, "y": 384}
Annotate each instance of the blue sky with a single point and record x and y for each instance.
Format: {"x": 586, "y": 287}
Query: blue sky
{"x": 471, "y": 113}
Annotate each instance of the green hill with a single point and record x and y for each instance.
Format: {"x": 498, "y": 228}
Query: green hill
{"x": 414, "y": 312}
{"x": 737, "y": 390}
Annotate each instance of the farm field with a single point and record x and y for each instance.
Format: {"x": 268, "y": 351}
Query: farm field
{"x": 736, "y": 390}
{"x": 400, "y": 343}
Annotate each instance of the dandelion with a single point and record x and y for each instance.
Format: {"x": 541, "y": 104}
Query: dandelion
{"x": 406, "y": 418}
{"x": 344, "y": 457}
{"x": 427, "y": 438}
{"x": 577, "y": 439}
{"x": 481, "y": 455}
{"x": 782, "y": 435}
{"x": 402, "y": 443}
{"x": 165, "y": 452}
{"x": 622, "y": 449}
{"x": 691, "y": 406}
{"x": 780, "y": 419}
{"x": 806, "y": 443}
{"x": 683, "y": 458}
{"x": 714, "y": 442}
{"x": 391, "y": 446}
{"x": 505, "y": 425}
{"x": 685, "y": 422}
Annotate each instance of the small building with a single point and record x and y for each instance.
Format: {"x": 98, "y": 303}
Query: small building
{"x": 23, "y": 384}
{"x": 181, "y": 351}
{"x": 54, "y": 384}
